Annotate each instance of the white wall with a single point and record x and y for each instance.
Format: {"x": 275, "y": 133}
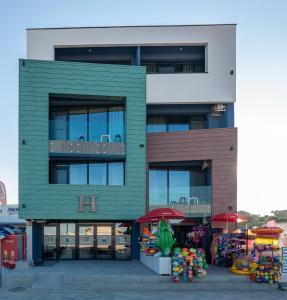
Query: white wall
{"x": 216, "y": 86}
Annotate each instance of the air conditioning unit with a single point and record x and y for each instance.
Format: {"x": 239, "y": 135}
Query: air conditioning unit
{"x": 219, "y": 107}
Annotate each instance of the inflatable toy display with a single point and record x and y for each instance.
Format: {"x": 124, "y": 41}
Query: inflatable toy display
{"x": 148, "y": 242}
{"x": 165, "y": 240}
{"x": 159, "y": 240}
{"x": 229, "y": 248}
{"x": 267, "y": 231}
{"x": 187, "y": 263}
{"x": 241, "y": 266}
{"x": 266, "y": 264}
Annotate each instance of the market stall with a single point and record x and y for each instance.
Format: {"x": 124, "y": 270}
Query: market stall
{"x": 265, "y": 256}
{"x": 158, "y": 252}
{"x": 158, "y": 239}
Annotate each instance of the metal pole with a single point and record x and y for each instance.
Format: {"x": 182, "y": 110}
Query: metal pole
{"x": 246, "y": 226}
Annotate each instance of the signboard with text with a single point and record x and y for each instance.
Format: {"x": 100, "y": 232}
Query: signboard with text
{"x": 9, "y": 210}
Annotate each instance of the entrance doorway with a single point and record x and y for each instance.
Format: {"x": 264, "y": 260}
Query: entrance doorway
{"x": 66, "y": 241}
{"x": 95, "y": 241}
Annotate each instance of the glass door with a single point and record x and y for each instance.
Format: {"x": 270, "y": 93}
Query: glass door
{"x": 104, "y": 242}
{"x": 86, "y": 242}
{"x": 67, "y": 241}
{"x": 50, "y": 242}
{"x": 123, "y": 241}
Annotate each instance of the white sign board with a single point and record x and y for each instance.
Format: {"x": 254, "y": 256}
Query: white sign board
{"x": 9, "y": 210}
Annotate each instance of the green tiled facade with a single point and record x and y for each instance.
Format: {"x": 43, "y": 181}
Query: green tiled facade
{"x": 40, "y": 200}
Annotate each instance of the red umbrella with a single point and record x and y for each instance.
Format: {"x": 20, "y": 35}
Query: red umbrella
{"x": 230, "y": 217}
{"x": 143, "y": 219}
{"x": 157, "y": 214}
{"x": 166, "y": 212}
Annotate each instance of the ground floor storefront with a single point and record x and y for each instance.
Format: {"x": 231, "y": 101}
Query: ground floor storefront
{"x": 95, "y": 240}
{"x": 85, "y": 240}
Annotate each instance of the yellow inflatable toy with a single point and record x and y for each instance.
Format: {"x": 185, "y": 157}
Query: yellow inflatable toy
{"x": 241, "y": 267}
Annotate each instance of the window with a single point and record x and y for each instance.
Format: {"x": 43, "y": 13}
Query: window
{"x": 103, "y": 55}
{"x": 179, "y": 184}
{"x": 78, "y": 174}
{"x": 58, "y": 125}
{"x": 116, "y": 124}
{"x": 98, "y": 174}
{"x": 60, "y": 174}
{"x": 175, "y": 123}
{"x": 116, "y": 173}
{"x": 158, "y": 187}
{"x": 91, "y": 123}
{"x": 78, "y": 125}
{"x": 173, "y": 59}
{"x": 93, "y": 173}
{"x": 168, "y": 185}
{"x": 98, "y": 123}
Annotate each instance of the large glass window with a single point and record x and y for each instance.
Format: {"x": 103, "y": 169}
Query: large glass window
{"x": 78, "y": 125}
{"x": 168, "y": 185}
{"x": 98, "y": 173}
{"x": 94, "y": 173}
{"x": 98, "y": 124}
{"x": 58, "y": 125}
{"x": 60, "y": 174}
{"x": 116, "y": 124}
{"x": 90, "y": 123}
{"x": 158, "y": 187}
{"x": 116, "y": 173}
{"x": 173, "y": 59}
{"x": 78, "y": 174}
{"x": 175, "y": 123}
{"x": 179, "y": 184}
{"x": 156, "y": 124}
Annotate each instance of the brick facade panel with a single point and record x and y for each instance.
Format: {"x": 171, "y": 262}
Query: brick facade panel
{"x": 218, "y": 145}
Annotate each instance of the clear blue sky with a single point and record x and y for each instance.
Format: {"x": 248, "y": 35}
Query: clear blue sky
{"x": 261, "y": 106}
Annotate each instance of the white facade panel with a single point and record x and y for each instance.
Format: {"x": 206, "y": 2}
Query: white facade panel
{"x": 217, "y": 85}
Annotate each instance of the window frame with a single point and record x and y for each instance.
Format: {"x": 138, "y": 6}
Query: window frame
{"x": 67, "y": 110}
{"x": 54, "y": 164}
{"x": 168, "y": 170}
{"x": 169, "y": 122}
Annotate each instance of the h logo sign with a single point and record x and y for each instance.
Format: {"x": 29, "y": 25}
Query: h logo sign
{"x": 87, "y": 201}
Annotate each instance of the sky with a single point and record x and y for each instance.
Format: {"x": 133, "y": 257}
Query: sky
{"x": 261, "y": 105}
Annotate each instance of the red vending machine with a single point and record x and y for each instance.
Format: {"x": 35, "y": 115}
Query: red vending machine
{"x": 13, "y": 248}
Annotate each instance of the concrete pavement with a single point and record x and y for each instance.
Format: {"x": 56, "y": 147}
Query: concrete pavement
{"x": 44, "y": 294}
{"x": 131, "y": 280}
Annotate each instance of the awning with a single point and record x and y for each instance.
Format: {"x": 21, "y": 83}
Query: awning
{"x": 8, "y": 230}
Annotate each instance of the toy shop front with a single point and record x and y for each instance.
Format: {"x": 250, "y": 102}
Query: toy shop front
{"x": 184, "y": 251}
{"x": 167, "y": 249}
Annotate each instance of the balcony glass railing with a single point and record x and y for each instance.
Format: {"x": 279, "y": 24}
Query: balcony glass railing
{"x": 194, "y": 201}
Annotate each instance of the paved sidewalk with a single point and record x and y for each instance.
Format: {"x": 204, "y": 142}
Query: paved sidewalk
{"x": 34, "y": 294}
{"x": 131, "y": 280}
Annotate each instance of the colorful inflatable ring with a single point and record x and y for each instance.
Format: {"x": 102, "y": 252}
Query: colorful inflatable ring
{"x": 239, "y": 272}
{"x": 267, "y": 230}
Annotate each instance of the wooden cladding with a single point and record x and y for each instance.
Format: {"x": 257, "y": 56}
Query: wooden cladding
{"x": 217, "y": 145}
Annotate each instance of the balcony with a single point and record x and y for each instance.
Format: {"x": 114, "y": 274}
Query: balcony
{"x": 197, "y": 203}
{"x": 83, "y": 148}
